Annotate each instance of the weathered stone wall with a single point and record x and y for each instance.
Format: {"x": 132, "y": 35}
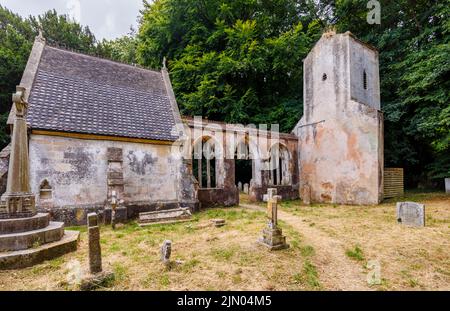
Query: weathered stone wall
{"x": 258, "y": 143}
{"x": 341, "y": 131}
{"x": 76, "y": 170}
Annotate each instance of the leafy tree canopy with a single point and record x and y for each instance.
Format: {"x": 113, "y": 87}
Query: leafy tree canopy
{"x": 241, "y": 61}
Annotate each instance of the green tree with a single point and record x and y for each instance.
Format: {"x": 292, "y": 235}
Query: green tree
{"x": 15, "y": 44}
{"x": 16, "y": 39}
{"x": 62, "y": 30}
{"x": 413, "y": 39}
{"x": 237, "y": 61}
{"x": 122, "y": 49}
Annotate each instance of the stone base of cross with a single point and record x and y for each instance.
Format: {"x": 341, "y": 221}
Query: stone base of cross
{"x": 272, "y": 235}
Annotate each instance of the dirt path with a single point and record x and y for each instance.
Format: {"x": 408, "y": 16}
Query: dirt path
{"x": 336, "y": 270}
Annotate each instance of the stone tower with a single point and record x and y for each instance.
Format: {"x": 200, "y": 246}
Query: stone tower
{"x": 341, "y": 130}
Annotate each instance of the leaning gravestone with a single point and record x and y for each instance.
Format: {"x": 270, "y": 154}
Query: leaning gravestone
{"x": 447, "y": 185}
{"x": 239, "y": 186}
{"x": 411, "y": 214}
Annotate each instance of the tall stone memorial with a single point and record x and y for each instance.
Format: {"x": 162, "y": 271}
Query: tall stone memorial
{"x": 272, "y": 235}
{"x": 26, "y": 236}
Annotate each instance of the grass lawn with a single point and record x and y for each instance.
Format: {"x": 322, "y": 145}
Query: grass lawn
{"x": 212, "y": 258}
{"x": 409, "y": 258}
{"x": 228, "y": 258}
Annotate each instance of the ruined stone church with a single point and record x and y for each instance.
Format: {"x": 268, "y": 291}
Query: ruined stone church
{"x": 96, "y": 126}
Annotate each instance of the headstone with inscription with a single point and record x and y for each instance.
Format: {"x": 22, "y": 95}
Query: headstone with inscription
{"x": 411, "y": 214}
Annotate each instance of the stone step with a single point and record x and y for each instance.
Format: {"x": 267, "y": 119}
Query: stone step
{"x": 24, "y": 240}
{"x": 16, "y": 225}
{"x": 25, "y": 258}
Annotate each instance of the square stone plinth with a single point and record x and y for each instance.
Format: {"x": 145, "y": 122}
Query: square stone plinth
{"x": 273, "y": 239}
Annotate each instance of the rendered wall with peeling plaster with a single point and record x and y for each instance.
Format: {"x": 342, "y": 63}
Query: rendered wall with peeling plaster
{"x": 341, "y": 131}
{"x": 76, "y": 169}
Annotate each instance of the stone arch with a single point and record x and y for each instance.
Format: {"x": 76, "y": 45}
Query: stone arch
{"x": 45, "y": 190}
{"x": 279, "y": 161}
{"x": 207, "y": 156}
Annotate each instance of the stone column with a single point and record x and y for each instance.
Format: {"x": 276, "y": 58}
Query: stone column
{"x": 95, "y": 254}
{"x": 199, "y": 172}
{"x": 208, "y": 173}
{"x": 18, "y": 199}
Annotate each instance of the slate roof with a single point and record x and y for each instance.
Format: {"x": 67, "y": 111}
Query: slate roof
{"x": 84, "y": 94}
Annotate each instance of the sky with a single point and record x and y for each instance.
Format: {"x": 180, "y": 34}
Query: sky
{"x": 107, "y": 19}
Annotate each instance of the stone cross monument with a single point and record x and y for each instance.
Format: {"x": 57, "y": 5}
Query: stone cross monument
{"x": 272, "y": 236}
{"x": 18, "y": 199}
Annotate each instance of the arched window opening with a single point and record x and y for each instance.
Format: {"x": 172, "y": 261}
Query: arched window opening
{"x": 243, "y": 164}
{"x": 279, "y": 166}
{"x": 204, "y": 163}
{"x": 45, "y": 190}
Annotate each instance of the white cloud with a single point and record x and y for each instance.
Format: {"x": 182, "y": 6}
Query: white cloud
{"x": 106, "y": 18}
{"x": 74, "y": 9}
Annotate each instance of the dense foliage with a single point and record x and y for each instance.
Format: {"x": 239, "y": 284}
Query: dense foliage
{"x": 237, "y": 61}
{"x": 413, "y": 40}
{"x": 241, "y": 61}
{"x": 16, "y": 39}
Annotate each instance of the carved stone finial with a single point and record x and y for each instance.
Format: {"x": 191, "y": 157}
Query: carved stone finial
{"x": 19, "y": 102}
{"x": 40, "y": 36}
{"x": 164, "y": 63}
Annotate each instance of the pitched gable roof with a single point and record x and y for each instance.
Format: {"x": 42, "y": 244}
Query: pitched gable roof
{"x": 79, "y": 93}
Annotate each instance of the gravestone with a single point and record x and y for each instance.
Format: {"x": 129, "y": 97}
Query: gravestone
{"x": 164, "y": 216}
{"x": 447, "y": 185}
{"x": 272, "y": 235}
{"x": 239, "y": 186}
{"x": 306, "y": 194}
{"x": 95, "y": 255}
{"x": 218, "y": 222}
{"x": 411, "y": 214}
{"x": 113, "y": 209}
{"x": 246, "y": 188}
{"x": 166, "y": 250}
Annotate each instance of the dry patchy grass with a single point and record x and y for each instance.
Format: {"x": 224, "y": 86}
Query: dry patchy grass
{"x": 212, "y": 258}
{"x": 228, "y": 258}
{"x": 410, "y": 258}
